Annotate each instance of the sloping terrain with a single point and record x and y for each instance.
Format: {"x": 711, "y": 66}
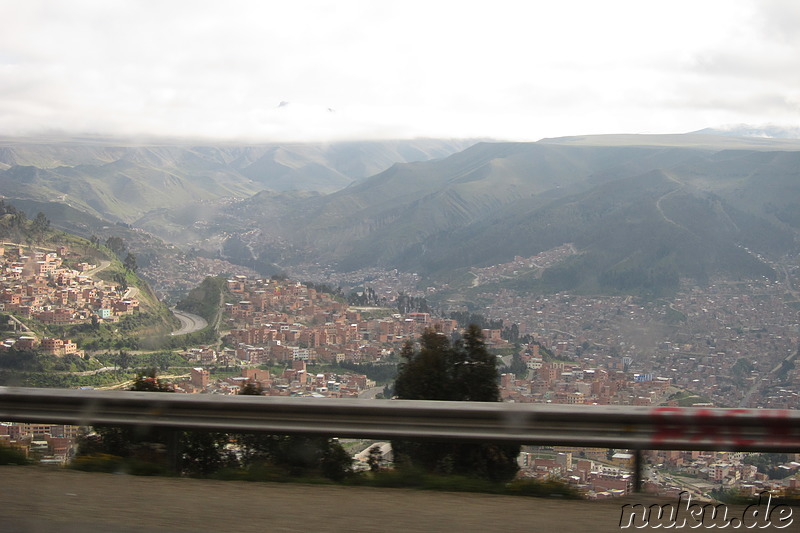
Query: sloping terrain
{"x": 122, "y": 182}
{"x": 641, "y": 211}
{"x": 639, "y": 215}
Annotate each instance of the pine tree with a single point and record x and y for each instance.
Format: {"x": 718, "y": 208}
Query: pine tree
{"x": 424, "y": 375}
{"x": 40, "y": 225}
{"x": 116, "y": 245}
{"x": 130, "y": 262}
{"x": 475, "y": 373}
{"x": 460, "y": 371}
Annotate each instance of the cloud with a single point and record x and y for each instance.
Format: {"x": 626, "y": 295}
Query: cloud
{"x": 777, "y": 20}
{"x": 470, "y": 68}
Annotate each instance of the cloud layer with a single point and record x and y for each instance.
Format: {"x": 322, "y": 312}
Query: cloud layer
{"x": 348, "y": 69}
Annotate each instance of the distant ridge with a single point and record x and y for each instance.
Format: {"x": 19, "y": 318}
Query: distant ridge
{"x": 768, "y": 131}
{"x": 125, "y": 181}
{"x": 707, "y": 139}
{"x": 642, "y": 211}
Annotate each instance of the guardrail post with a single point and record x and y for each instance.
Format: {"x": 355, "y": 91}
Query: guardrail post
{"x": 173, "y": 450}
{"x": 637, "y": 470}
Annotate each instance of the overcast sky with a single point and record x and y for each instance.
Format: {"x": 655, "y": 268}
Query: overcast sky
{"x": 317, "y": 70}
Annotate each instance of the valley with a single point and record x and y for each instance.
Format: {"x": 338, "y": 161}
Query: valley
{"x": 602, "y": 248}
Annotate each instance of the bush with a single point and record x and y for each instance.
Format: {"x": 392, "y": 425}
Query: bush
{"x": 99, "y": 462}
{"x": 541, "y": 489}
{"x": 409, "y": 477}
{"x": 258, "y": 471}
{"x": 416, "y": 478}
{"x": 112, "y": 464}
{"x": 10, "y": 456}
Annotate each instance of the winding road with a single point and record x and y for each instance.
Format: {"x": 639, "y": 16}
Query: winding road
{"x": 189, "y": 322}
{"x": 369, "y": 394}
{"x": 667, "y": 194}
{"x": 102, "y": 266}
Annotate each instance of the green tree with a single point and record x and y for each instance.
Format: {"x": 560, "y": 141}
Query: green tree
{"x": 149, "y": 382}
{"x": 40, "y": 224}
{"x": 11, "y": 456}
{"x": 116, "y": 245}
{"x": 121, "y": 280}
{"x": 475, "y": 369}
{"x": 140, "y": 445}
{"x": 462, "y": 371}
{"x": 205, "y": 452}
{"x": 130, "y": 262}
{"x": 518, "y": 366}
{"x": 158, "y": 450}
{"x": 423, "y": 374}
{"x": 335, "y": 463}
{"x": 199, "y": 453}
{"x": 123, "y": 360}
{"x": 161, "y": 360}
{"x": 296, "y": 454}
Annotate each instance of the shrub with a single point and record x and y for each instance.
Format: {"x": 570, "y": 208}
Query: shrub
{"x": 99, "y": 462}
{"x": 547, "y": 488}
{"x": 10, "y": 456}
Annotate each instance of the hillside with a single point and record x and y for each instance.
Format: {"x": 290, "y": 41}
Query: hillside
{"x": 635, "y": 234}
{"x": 641, "y": 211}
{"x": 122, "y": 181}
{"x": 149, "y": 320}
{"x": 641, "y": 216}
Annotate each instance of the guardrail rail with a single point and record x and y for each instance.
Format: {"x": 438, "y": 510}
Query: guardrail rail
{"x": 602, "y": 426}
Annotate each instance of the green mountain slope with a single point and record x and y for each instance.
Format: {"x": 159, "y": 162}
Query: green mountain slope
{"x": 641, "y": 211}
{"x": 640, "y": 233}
{"x": 123, "y": 182}
{"x": 641, "y": 216}
{"x": 409, "y": 203}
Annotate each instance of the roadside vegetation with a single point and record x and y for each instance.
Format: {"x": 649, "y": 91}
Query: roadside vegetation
{"x": 10, "y": 456}
{"x": 62, "y": 381}
{"x": 687, "y": 398}
{"x": 205, "y": 300}
{"x": 470, "y": 467}
{"x": 381, "y": 374}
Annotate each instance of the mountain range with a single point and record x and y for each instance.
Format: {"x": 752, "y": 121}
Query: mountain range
{"x": 641, "y": 211}
{"x": 123, "y": 182}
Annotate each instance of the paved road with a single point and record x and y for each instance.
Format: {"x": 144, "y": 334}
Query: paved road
{"x": 369, "y": 394}
{"x": 102, "y": 266}
{"x": 189, "y": 322}
{"x": 132, "y": 292}
{"x": 90, "y": 372}
{"x": 45, "y": 499}
{"x": 17, "y": 321}
{"x": 40, "y": 499}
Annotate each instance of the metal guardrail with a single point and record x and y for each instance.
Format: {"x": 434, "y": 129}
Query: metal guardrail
{"x": 637, "y": 428}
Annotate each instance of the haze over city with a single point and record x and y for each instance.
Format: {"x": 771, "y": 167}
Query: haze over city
{"x": 325, "y": 71}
